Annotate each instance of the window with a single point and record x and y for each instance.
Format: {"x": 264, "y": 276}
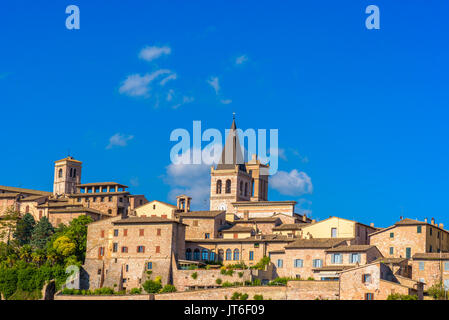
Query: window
{"x": 280, "y": 263}
{"x": 154, "y": 207}
{"x": 220, "y": 255}
{"x": 256, "y": 245}
{"x": 228, "y": 254}
{"x": 251, "y": 255}
{"x": 124, "y": 249}
{"x": 101, "y": 251}
{"x": 366, "y": 278}
{"x": 421, "y": 265}
{"x": 317, "y": 263}
{"x": 207, "y": 236}
{"x": 102, "y": 233}
{"x": 158, "y": 249}
{"x": 408, "y": 253}
{"x": 126, "y": 269}
{"x": 369, "y": 296}
{"x": 430, "y": 248}
{"x": 102, "y": 199}
{"x": 391, "y": 250}
{"x": 141, "y": 232}
{"x": 115, "y": 232}
{"x": 164, "y": 216}
{"x": 236, "y": 254}
{"x": 355, "y": 257}
{"x": 228, "y": 186}
{"x": 40, "y": 214}
{"x": 333, "y": 232}
{"x": 212, "y": 256}
{"x": 125, "y": 232}
{"x": 109, "y": 211}
{"x": 120, "y": 199}
{"x": 60, "y": 173}
{"x": 218, "y": 186}
{"x": 27, "y": 209}
{"x": 158, "y": 233}
{"x": 110, "y": 199}
{"x": 78, "y": 200}
{"x": 298, "y": 263}
{"x": 204, "y": 255}
{"x": 446, "y": 266}
{"x": 149, "y": 265}
{"x": 196, "y": 254}
{"x": 74, "y": 173}
{"x": 140, "y": 249}
{"x": 391, "y": 234}
{"x": 430, "y": 231}
{"x": 115, "y": 247}
{"x": 188, "y": 254}
{"x": 241, "y": 187}
{"x": 336, "y": 258}
{"x": 418, "y": 229}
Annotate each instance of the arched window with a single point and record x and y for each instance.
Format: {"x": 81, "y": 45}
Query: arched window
{"x": 228, "y": 186}
{"x": 109, "y": 211}
{"x": 188, "y": 254}
{"x": 60, "y": 173}
{"x": 228, "y": 254}
{"x": 241, "y": 187}
{"x": 220, "y": 255}
{"x": 246, "y": 189}
{"x": 252, "y": 188}
{"x": 236, "y": 254}
{"x": 74, "y": 173}
{"x": 218, "y": 186}
{"x": 212, "y": 256}
{"x": 71, "y": 172}
{"x": 27, "y": 209}
{"x": 196, "y": 254}
{"x": 204, "y": 255}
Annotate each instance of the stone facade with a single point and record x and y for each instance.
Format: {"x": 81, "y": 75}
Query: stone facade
{"x": 431, "y": 269}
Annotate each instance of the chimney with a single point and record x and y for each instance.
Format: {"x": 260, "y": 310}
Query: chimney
{"x": 441, "y": 226}
{"x": 371, "y": 224}
{"x": 425, "y": 220}
{"x": 432, "y": 221}
{"x": 304, "y": 218}
{"x": 313, "y": 221}
{"x": 401, "y": 217}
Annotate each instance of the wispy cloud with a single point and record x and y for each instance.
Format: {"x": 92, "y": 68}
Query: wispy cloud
{"x": 119, "y": 140}
{"x": 151, "y": 53}
{"x": 241, "y": 59}
{"x": 136, "y": 85}
{"x": 292, "y": 183}
{"x": 226, "y": 101}
{"x": 214, "y": 83}
{"x": 173, "y": 76}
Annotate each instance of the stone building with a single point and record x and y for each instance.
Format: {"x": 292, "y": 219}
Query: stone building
{"x": 431, "y": 268}
{"x": 407, "y": 237}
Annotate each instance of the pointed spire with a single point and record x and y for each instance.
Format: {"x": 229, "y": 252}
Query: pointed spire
{"x": 232, "y": 151}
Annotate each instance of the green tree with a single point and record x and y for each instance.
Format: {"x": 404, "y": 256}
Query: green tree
{"x": 152, "y": 286}
{"x": 24, "y": 229}
{"x": 41, "y": 233}
{"x": 8, "y": 223}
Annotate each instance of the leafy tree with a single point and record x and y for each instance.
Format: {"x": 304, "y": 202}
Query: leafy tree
{"x": 437, "y": 291}
{"x": 152, "y": 286}
{"x": 24, "y": 229}
{"x": 42, "y": 231}
{"x": 168, "y": 288}
{"x": 8, "y": 223}
{"x": 64, "y": 246}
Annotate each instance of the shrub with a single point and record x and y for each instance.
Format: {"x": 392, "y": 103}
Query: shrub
{"x": 262, "y": 263}
{"x": 149, "y": 272}
{"x": 256, "y": 282}
{"x": 135, "y": 291}
{"x": 223, "y": 271}
{"x": 398, "y": 296}
{"x": 227, "y": 284}
{"x": 240, "y": 274}
{"x": 235, "y": 296}
{"x": 230, "y": 272}
{"x": 310, "y": 278}
{"x": 168, "y": 288}
{"x": 102, "y": 291}
{"x": 218, "y": 281}
{"x": 194, "y": 275}
{"x": 244, "y": 296}
{"x": 279, "y": 282}
{"x": 437, "y": 291}
{"x": 258, "y": 297}
{"x": 151, "y": 286}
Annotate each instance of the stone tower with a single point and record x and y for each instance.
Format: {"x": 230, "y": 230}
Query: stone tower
{"x": 67, "y": 176}
{"x": 230, "y": 181}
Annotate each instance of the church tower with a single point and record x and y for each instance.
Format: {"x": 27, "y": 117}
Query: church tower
{"x": 230, "y": 181}
{"x": 67, "y": 176}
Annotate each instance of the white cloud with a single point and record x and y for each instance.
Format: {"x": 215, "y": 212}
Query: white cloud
{"x": 136, "y": 85}
{"x": 242, "y": 59}
{"x": 291, "y": 183}
{"x": 173, "y": 76}
{"x": 119, "y": 140}
{"x": 226, "y": 101}
{"x": 213, "y": 82}
{"x": 190, "y": 179}
{"x": 150, "y": 53}
{"x": 134, "y": 181}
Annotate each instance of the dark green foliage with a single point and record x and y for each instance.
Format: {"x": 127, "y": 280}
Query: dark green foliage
{"x": 24, "y": 229}
{"x": 262, "y": 263}
{"x": 151, "y": 286}
{"x": 218, "y": 281}
{"x": 258, "y": 297}
{"x": 135, "y": 291}
{"x": 239, "y": 296}
{"x": 398, "y": 296}
{"x": 194, "y": 275}
{"x": 168, "y": 288}
{"x": 279, "y": 281}
{"x": 41, "y": 233}
{"x": 437, "y": 291}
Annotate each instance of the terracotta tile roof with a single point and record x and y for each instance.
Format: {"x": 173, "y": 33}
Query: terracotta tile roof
{"x": 8, "y": 195}
{"x": 68, "y": 159}
{"x": 22, "y": 190}
{"x": 391, "y": 260}
{"x": 200, "y": 214}
{"x": 277, "y": 251}
{"x": 350, "y": 248}
{"x": 80, "y": 209}
{"x": 257, "y": 220}
{"x": 323, "y": 243}
{"x": 145, "y": 220}
{"x": 238, "y": 229}
{"x": 95, "y": 194}
{"x": 98, "y": 184}
{"x": 333, "y": 268}
{"x": 252, "y": 239}
{"x": 408, "y": 221}
{"x": 290, "y": 226}
{"x": 431, "y": 256}
{"x": 33, "y": 198}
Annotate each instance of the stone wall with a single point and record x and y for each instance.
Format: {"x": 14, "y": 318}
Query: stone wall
{"x": 312, "y": 290}
{"x": 274, "y": 293}
{"x": 105, "y": 297}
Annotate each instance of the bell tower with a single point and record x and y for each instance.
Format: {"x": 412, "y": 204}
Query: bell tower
{"x": 67, "y": 176}
{"x": 230, "y": 181}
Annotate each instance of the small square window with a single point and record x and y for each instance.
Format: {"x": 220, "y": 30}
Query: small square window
{"x": 391, "y": 234}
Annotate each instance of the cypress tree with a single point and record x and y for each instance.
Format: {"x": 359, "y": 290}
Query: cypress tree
{"x": 24, "y": 229}
{"x": 41, "y": 233}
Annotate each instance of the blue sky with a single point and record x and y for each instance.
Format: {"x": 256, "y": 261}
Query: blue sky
{"x": 362, "y": 113}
